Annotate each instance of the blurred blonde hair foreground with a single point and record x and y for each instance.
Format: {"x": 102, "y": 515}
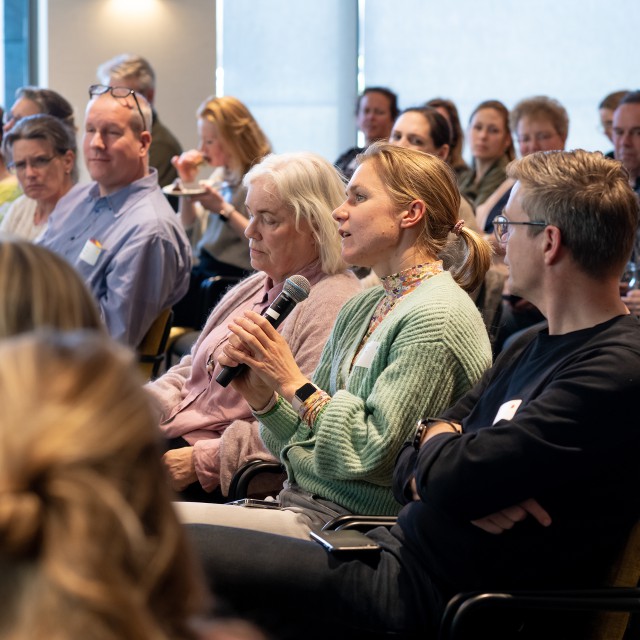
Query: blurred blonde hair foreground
{"x": 90, "y": 545}
{"x": 40, "y": 289}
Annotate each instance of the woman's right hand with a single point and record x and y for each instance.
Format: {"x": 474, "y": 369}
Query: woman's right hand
{"x": 248, "y": 383}
{"x": 187, "y": 164}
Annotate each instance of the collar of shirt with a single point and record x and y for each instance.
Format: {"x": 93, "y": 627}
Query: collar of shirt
{"x": 127, "y": 195}
{"x": 400, "y": 284}
{"x": 312, "y": 272}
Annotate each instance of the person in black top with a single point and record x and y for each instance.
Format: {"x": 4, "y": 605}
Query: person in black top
{"x": 626, "y": 138}
{"x": 376, "y": 111}
{"x": 530, "y": 480}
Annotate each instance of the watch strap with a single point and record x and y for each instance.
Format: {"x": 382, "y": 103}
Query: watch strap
{"x": 302, "y": 394}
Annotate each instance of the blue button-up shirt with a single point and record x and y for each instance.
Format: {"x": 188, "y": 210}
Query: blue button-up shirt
{"x": 141, "y": 256}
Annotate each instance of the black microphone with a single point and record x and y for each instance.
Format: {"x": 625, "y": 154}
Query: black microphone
{"x": 295, "y": 289}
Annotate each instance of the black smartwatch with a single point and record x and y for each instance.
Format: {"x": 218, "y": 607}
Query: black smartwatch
{"x": 425, "y": 424}
{"x": 302, "y": 394}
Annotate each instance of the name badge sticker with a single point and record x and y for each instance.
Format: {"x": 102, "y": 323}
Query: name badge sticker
{"x": 507, "y": 410}
{"x": 367, "y": 354}
{"x": 91, "y": 251}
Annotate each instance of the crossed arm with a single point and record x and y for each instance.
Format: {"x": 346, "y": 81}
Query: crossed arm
{"x": 500, "y": 521}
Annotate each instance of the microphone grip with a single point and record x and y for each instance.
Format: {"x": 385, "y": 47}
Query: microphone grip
{"x": 275, "y": 315}
{"x": 228, "y": 374}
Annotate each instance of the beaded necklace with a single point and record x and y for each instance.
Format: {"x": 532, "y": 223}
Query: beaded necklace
{"x": 396, "y": 287}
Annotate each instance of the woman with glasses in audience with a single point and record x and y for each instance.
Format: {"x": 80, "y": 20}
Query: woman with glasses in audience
{"x": 492, "y": 149}
{"x": 540, "y": 124}
{"x": 41, "y": 149}
{"x": 231, "y": 141}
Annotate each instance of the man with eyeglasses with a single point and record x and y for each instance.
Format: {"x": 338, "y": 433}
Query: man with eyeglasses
{"x": 135, "y": 72}
{"x": 119, "y": 231}
{"x": 626, "y": 136}
{"x": 540, "y": 123}
{"x": 626, "y": 140}
{"x": 530, "y": 480}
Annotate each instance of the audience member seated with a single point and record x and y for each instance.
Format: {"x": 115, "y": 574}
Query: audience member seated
{"x": 626, "y": 136}
{"x": 9, "y": 187}
{"x": 529, "y": 481}
{"x": 32, "y": 100}
{"x": 90, "y": 545}
{"x": 232, "y": 142}
{"x": 42, "y": 151}
{"x": 626, "y": 139}
{"x": 376, "y": 110}
{"x": 605, "y": 111}
{"x": 491, "y": 148}
{"x": 135, "y": 72}
{"x": 426, "y": 129}
{"x": 211, "y": 430}
{"x": 119, "y": 231}
{"x": 540, "y": 124}
{"x": 448, "y": 109}
{"x": 409, "y": 347}
{"x": 40, "y": 290}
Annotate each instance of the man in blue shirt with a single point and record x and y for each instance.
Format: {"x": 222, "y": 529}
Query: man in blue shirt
{"x": 119, "y": 231}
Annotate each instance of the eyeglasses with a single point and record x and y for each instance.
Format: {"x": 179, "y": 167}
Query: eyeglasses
{"x": 117, "y": 92}
{"x": 38, "y": 163}
{"x": 501, "y": 226}
{"x": 540, "y": 136}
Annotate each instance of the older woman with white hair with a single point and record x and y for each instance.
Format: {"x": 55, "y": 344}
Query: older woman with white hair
{"x": 209, "y": 428}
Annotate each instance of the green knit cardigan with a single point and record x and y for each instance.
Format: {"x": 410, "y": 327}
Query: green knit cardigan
{"x": 429, "y": 350}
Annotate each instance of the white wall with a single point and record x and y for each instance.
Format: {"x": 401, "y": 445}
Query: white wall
{"x": 576, "y": 51}
{"x": 293, "y": 62}
{"x": 176, "y": 36}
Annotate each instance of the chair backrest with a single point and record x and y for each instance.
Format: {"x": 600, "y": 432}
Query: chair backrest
{"x": 151, "y": 349}
{"x": 608, "y": 609}
{"x": 611, "y": 625}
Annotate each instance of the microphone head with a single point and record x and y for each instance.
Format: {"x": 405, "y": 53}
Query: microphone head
{"x": 297, "y": 288}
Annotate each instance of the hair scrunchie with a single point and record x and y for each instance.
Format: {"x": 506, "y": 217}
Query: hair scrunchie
{"x": 457, "y": 227}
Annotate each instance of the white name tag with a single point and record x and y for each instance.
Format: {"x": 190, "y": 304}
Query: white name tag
{"x": 367, "y": 354}
{"x": 91, "y": 251}
{"x": 507, "y": 410}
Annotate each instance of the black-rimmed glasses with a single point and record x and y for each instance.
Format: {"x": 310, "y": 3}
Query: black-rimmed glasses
{"x": 117, "y": 92}
{"x": 501, "y": 226}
